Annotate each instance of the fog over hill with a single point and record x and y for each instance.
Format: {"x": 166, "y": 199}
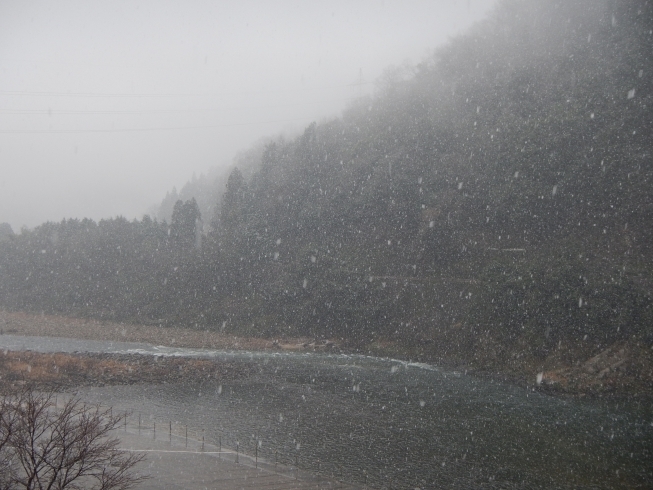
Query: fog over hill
{"x": 105, "y": 106}
{"x": 207, "y": 189}
{"x": 489, "y": 206}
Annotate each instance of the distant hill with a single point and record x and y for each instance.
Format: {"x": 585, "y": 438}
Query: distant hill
{"x": 491, "y": 206}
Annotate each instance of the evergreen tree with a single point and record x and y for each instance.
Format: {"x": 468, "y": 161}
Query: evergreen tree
{"x": 185, "y": 225}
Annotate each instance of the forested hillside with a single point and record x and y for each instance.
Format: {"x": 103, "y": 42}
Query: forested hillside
{"x": 492, "y": 205}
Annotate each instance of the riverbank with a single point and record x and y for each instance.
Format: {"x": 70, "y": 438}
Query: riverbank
{"x": 619, "y": 370}
{"x": 21, "y": 323}
{"x": 61, "y": 372}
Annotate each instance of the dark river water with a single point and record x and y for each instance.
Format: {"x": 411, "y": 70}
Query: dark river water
{"x": 391, "y": 423}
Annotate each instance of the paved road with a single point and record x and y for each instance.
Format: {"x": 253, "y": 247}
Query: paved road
{"x": 174, "y": 466}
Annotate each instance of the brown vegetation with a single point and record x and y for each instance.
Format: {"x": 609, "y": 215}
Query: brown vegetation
{"x": 61, "y": 371}
{"x": 20, "y": 323}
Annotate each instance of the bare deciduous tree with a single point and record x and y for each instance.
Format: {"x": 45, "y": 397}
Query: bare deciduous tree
{"x": 69, "y": 447}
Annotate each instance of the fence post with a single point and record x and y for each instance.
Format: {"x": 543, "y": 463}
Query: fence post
{"x": 275, "y": 460}
{"x": 256, "y": 456}
{"x": 237, "y": 447}
{"x": 170, "y": 433}
{"x": 186, "y": 436}
{"x": 154, "y": 430}
{"x": 202, "y": 440}
{"x": 125, "y": 421}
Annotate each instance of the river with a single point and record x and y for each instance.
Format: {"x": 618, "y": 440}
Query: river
{"x": 393, "y": 424}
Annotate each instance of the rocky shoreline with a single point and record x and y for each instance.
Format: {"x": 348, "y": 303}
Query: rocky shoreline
{"x": 623, "y": 370}
{"x": 619, "y": 369}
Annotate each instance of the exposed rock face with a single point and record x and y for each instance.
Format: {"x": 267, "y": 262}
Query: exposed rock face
{"x": 620, "y": 368}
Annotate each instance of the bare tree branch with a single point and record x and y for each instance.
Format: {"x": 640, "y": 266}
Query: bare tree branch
{"x": 43, "y": 447}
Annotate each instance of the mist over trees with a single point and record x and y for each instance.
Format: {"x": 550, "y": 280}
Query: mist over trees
{"x": 5, "y": 231}
{"x": 207, "y": 189}
{"x": 490, "y": 205}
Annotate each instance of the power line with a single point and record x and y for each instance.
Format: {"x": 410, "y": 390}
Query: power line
{"x": 91, "y": 94}
{"x": 55, "y": 112}
{"x": 360, "y": 82}
{"x": 129, "y": 130}
{"x": 151, "y": 95}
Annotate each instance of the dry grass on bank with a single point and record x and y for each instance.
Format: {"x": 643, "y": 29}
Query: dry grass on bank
{"x": 19, "y": 323}
{"x": 57, "y": 371}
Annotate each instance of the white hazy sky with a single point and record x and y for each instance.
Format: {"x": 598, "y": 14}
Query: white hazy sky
{"x": 106, "y": 105}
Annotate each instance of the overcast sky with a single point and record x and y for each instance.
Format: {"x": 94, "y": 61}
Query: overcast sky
{"x": 106, "y": 105}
